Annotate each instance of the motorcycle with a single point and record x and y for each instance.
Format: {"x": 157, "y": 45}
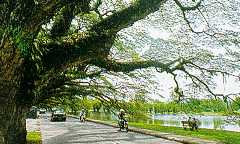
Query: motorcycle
{"x": 123, "y": 124}
{"x": 82, "y": 118}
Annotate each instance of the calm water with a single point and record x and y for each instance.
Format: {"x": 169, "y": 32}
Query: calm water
{"x": 209, "y": 122}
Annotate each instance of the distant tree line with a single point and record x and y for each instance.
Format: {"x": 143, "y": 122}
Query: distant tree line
{"x": 143, "y": 108}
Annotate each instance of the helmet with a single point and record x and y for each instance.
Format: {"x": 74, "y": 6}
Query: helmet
{"x": 121, "y": 110}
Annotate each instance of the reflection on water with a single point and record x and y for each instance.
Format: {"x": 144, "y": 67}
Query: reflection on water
{"x": 209, "y": 122}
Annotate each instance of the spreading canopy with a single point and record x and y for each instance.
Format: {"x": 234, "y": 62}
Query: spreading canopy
{"x": 55, "y": 38}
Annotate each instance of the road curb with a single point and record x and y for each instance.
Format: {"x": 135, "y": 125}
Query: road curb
{"x": 168, "y": 136}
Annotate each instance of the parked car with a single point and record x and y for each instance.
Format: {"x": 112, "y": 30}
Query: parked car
{"x": 42, "y": 111}
{"x": 58, "y": 115}
{"x": 32, "y": 113}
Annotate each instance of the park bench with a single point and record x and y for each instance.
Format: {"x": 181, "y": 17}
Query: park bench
{"x": 185, "y": 124}
{"x": 190, "y": 124}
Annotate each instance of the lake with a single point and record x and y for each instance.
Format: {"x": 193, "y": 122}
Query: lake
{"x": 209, "y": 122}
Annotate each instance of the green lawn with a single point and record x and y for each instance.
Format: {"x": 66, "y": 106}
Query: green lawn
{"x": 226, "y": 137}
{"x": 34, "y": 138}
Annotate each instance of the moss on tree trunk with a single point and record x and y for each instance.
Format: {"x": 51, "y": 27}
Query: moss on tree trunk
{"x": 12, "y": 124}
{"x": 12, "y": 95}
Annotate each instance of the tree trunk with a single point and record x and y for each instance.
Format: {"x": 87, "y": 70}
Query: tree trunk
{"x": 12, "y": 94}
{"x": 12, "y": 124}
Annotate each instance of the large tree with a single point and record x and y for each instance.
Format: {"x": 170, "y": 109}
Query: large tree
{"x": 46, "y": 44}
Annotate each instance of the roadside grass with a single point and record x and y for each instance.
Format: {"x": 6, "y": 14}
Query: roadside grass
{"x": 226, "y": 137}
{"x": 34, "y": 138}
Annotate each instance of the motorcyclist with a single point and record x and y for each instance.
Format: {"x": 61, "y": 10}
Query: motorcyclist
{"x": 82, "y": 115}
{"x": 121, "y": 114}
{"x": 121, "y": 117}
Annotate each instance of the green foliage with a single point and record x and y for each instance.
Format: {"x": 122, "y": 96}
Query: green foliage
{"x": 172, "y": 107}
{"x": 191, "y": 106}
{"x": 236, "y": 104}
{"x": 212, "y": 105}
{"x": 140, "y": 108}
{"x": 1, "y": 32}
{"x": 22, "y": 40}
{"x": 96, "y": 105}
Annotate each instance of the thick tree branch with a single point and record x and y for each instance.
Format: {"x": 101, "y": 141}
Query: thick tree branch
{"x": 44, "y": 11}
{"x": 113, "y": 66}
{"x": 78, "y": 47}
{"x": 126, "y": 17}
{"x": 62, "y": 21}
{"x": 131, "y": 66}
{"x": 29, "y": 14}
{"x": 48, "y": 84}
{"x": 100, "y": 37}
{"x": 188, "y": 8}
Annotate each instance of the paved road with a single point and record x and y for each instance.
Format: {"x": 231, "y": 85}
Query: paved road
{"x": 74, "y": 132}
